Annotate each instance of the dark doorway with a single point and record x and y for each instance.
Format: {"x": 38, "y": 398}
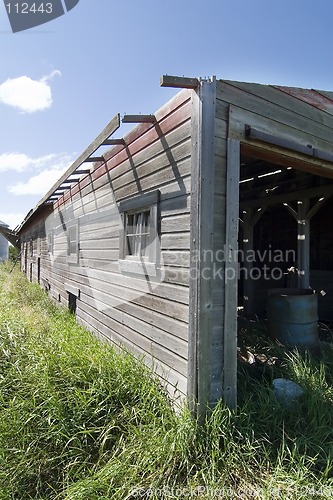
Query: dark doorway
{"x": 72, "y": 302}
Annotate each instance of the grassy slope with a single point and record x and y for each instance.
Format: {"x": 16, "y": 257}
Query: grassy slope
{"x": 80, "y": 422}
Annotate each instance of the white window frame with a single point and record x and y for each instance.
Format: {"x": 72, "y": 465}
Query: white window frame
{"x": 136, "y": 262}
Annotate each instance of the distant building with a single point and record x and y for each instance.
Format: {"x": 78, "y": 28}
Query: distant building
{"x": 3, "y": 244}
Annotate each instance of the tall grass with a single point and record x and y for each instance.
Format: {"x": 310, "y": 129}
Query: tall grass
{"x": 79, "y": 421}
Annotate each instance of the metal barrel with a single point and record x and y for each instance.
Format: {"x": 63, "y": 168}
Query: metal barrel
{"x": 292, "y": 315}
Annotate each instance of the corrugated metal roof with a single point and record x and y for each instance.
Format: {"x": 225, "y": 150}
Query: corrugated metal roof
{"x": 320, "y": 99}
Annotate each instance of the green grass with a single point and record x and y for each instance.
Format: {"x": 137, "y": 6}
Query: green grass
{"x": 79, "y": 421}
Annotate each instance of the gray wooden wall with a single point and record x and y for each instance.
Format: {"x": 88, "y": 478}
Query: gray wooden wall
{"x": 150, "y": 317}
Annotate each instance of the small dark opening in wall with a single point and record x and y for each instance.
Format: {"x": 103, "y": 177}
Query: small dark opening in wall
{"x": 72, "y": 302}
{"x": 38, "y": 270}
{"x": 31, "y": 272}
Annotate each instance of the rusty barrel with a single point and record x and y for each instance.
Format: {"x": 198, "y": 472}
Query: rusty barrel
{"x": 292, "y": 315}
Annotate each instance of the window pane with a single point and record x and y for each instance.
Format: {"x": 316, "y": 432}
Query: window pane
{"x": 129, "y": 224}
{"x": 137, "y": 233}
{"x": 129, "y": 245}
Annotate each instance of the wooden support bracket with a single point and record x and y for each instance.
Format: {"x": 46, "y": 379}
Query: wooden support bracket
{"x": 113, "y": 142}
{"x": 93, "y": 159}
{"x": 139, "y": 119}
{"x": 112, "y": 126}
{"x": 179, "y": 82}
{"x": 80, "y": 172}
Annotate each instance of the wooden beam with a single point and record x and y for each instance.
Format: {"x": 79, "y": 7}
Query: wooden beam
{"x": 303, "y": 245}
{"x": 317, "y": 206}
{"x": 179, "y": 82}
{"x": 93, "y": 159}
{"x": 309, "y": 150}
{"x": 303, "y": 240}
{"x": 251, "y": 217}
{"x": 139, "y": 119}
{"x": 200, "y": 339}
{"x": 282, "y": 157}
{"x": 291, "y": 210}
{"x": 113, "y": 142}
{"x": 231, "y": 276}
{"x": 192, "y": 365}
{"x": 80, "y": 172}
{"x": 285, "y": 197}
{"x": 111, "y": 127}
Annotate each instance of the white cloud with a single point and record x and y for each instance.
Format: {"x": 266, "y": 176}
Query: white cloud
{"x": 12, "y": 219}
{"x": 53, "y": 166}
{"x": 19, "y": 162}
{"x": 14, "y": 161}
{"x": 26, "y": 94}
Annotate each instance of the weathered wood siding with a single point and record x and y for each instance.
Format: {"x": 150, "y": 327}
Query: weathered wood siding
{"x": 275, "y": 111}
{"x": 150, "y": 317}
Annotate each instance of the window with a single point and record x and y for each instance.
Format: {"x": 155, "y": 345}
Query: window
{"x": 73, "y": 243}
{"x": 50, "y": 240}
{"x": 139, "y": 235}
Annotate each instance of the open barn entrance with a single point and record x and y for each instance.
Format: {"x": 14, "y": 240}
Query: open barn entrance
{"x": 286, "y": 233}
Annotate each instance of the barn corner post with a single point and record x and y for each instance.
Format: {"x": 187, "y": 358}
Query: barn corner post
{"x": 201, "y": 237}
{"x": 212, "y": 365}
{"x": 201, "y": 231}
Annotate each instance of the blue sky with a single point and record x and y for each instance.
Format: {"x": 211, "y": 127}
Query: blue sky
{"x": 62, "y": 82}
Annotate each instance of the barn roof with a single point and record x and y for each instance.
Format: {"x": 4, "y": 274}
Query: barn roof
{"x": 320, "y": 99}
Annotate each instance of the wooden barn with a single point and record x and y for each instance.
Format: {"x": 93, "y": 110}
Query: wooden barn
{"x": 154, "y": 240}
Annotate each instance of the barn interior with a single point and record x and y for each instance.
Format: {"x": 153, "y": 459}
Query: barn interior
{"x": 285, "y": 232}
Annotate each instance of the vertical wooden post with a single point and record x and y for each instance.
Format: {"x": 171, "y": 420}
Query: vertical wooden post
{"x": 248, "y": 263}
{"x": 303, "y": 243}
{"x": 251, "y": 217}
{"x": 201, "y": 233}
{"x": 231, "y": 275}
